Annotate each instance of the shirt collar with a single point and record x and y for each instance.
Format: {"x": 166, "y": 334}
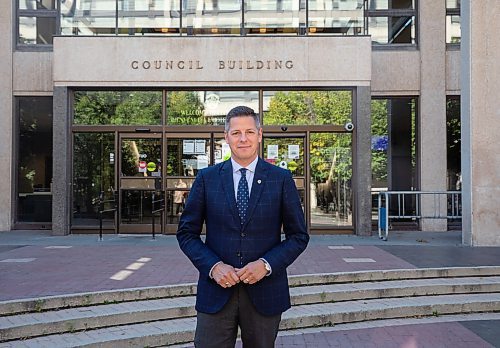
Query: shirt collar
{"x": 251, "y": 167}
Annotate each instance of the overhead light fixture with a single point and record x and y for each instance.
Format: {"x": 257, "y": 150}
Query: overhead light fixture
{"x": 312, "y": 30}
{"x": 262, "y": 30}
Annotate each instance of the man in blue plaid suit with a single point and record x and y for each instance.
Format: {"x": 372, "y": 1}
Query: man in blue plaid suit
{"x": 245, "y": 203}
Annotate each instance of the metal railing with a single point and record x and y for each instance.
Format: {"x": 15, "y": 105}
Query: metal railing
{"x": 393, "y": 205}
{"x": 157, "y": 206}
{"x": 113, "y": 206}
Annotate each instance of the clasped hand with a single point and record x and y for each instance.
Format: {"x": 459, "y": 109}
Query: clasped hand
{"x": 226, "y": 275}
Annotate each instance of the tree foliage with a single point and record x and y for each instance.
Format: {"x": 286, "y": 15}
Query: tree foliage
{"x": 117, "y": 108}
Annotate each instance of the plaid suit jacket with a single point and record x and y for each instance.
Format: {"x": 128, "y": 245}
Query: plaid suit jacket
{"x": 274, "y": 204}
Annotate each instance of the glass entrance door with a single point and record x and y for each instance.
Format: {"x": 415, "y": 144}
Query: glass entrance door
{"x": 140, "y": 175}
{"x": 187, "y": 154}
{"x": 321, "y": 166}
{"x": 288, "y": 152}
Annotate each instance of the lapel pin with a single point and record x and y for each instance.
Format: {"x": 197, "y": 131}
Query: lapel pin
{"x": 259, "y": 181}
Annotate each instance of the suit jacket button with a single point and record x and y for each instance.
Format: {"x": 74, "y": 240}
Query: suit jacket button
{"x": 243, "y": 234}
{"x": 238, "y": 254}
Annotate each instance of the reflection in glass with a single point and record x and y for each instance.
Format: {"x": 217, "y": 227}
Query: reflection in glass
{"x": 34, "y": 173}
{"x": 331, "y": 174}
{"x": 37, "y": 4}
{"x": 206, "y": 107}
{"x": 333, "y": 17}
{"x": 394, "y": 148}
{"x": 93, "y": 172}
{"x": 211, "y": 17}
{"x": 307, "y": 107}
{"x": 146, "y": 17}
{"x": 274, "y": 16}
{"x": 185, "y": 157}
{"x": 88, "y": 17}
{"x": 287, "y": 153}
{"x": 176, "y": 198}
{"x": 453, "y": 144}
{"x": 136, "y": 207}
{"x": 453, "y": 29}
{"x": 379, "y": 143}
{"x": 117, "y": 107}
{"x": 453, "y": 4}
{"x": 392, "y": 4}
{"x": 222, "y": 151}
{"x": 392, "y": 30}
{"x": 141, "y": 157}
{"x": 36, "y": 30}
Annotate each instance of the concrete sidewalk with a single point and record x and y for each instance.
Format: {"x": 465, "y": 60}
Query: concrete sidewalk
{"x": 35, "y": 264}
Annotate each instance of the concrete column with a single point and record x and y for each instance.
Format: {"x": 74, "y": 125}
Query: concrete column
{"x": 61, "y": 187}
{"x": 480, "y": 122}
{"x": 6, "y": 113}
{"x": 362, "y": 179}
{"x": 432, "y": 115}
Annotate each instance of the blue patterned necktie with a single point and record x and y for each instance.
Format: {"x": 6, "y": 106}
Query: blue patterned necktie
{"x": 243, "y": 196}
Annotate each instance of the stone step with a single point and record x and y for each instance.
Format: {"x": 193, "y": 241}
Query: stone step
{"x": 176, "y": 331}
{"x": 92, "y": 317}
{"x": 123, "y": 295}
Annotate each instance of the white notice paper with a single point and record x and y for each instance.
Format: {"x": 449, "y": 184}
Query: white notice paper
{"x": 188, "y": 147}
{"x": 199, "y": 146}
{"x": 293, "y": 151}
{"x": 272, "y": 151}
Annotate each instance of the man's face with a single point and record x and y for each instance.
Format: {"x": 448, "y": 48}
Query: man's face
{"x": 243, "y": 139}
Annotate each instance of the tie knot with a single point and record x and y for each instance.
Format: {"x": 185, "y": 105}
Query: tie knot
{"x": 243, "y": 172}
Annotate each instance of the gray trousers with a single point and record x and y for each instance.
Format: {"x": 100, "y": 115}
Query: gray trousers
{"x": 219, "y": 330}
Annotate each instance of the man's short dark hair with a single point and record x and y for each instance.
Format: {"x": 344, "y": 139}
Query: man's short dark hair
{"x": 241, "y": 111}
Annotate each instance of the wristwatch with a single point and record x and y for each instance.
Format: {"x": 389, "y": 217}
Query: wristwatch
{"x": 267, "y": 266}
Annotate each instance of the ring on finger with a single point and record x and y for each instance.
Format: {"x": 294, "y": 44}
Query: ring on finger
{"x": 227, "y": 284}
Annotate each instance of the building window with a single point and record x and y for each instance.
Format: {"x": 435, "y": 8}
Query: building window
{"x": 392, "y": 22}
{"x": 207, "y": 17}
{"x": 453, "y": 143}
{"x": 37, "y": 22}
{"x": 453, "y": 30}
{"x": 118, "y": 108}
{"x": 34, "y": 159}
{"x": 394, "y": 146}
{"x": 394, "y": 143}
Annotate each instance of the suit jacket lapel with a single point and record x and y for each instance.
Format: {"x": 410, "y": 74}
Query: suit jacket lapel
{"x": 226, "y": 173}
{"x": 259, "y": 180}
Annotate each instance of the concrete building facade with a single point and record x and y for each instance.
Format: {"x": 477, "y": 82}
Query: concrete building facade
{"x": 136, "y": 90}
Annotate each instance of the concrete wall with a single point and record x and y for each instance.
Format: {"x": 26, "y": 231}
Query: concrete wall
{"x": 6, "y": 112}
{"x": 453, "y": 72}
{"x": 481, "y": 122}
{"x": 432, "y": 116}
{"x": 33, "y": 73}
{"x": 395, "y": 73}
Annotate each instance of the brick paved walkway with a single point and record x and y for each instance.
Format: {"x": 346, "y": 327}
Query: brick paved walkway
{"x": 442, "y": 335}
{"x": 58, "y": 271}
{"x": 35, "y": 265}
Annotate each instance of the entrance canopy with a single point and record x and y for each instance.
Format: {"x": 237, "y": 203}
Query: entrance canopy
{"x": 214, "y": 61}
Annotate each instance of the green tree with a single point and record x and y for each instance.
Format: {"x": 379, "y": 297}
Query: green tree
{"x": 379, "y": 131}
{"x": 185, "y": 108}
{"x": 117, "y": 107}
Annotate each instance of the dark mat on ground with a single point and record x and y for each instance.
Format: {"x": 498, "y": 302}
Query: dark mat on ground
{"x": 444, "y": 256}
